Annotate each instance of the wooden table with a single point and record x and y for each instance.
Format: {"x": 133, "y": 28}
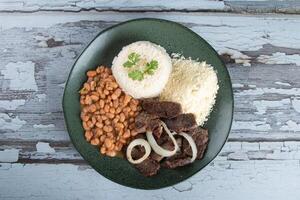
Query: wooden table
{"x": 260, "y": 43}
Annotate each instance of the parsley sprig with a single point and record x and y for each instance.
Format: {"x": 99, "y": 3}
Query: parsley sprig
{"x": 151, "y": 67}
{"x": 133, "y": 58}
{"x": 137, "y": 74}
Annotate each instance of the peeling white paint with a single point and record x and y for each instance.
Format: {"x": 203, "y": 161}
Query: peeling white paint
{"x": 9, "y": 155}
{"x": 260, "y": 91}
{"x": 41, "y": 37}
{"x": 238, "y": 156}
{"x": 239, "y": 57}
{"x": 11, "y": 104}
{"x": 43, "y": 44}
{"x": 20, "y": 75}
{"x": 43, "y": 126}
{"x": 280, "y": 58}
{"x": 43, "y": 147}
{"x": 282, "y": 83}
{"x": 296, "y": 104}
{"x": 253, "y": 125}
{"x": 183, "y": 186}
{"x": 262, "y": 105}
{"x": 62, "y": 85}
{"x": 41, "y": 97}
{"x": 237, "y": 85}
{"x": 7, "y": 122}
{"x": 291, "y": 126}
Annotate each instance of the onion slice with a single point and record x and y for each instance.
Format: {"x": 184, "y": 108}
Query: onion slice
{"x": 159, "y": 150}
{"x": 192, "y": 144}
{"x": 134, "y": 143}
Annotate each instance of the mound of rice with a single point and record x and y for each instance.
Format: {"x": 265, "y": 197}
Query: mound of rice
{"x": 151, "y": 85}
{"x": 194, "y": 85}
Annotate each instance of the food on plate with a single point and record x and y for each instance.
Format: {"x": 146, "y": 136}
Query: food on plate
{"x": 194, "y": 85}
{"x": 150, "y": 107}
{"x": 165, "y": 109}
{"x": 142, "y": 69}
{"x": 107, "y": 113}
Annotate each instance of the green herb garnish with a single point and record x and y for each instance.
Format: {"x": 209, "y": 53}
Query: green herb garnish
{"x": 151, "y": 67}
{"x": 136, "y": 75}
{"x": 133, "y": 58}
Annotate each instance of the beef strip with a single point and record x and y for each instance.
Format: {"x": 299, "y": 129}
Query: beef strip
{"x": 200, "y": 137}
{"x": 176, "y": 161}
{"x": 145, "y": 121}
{"x": 137, "y": 152}
{"x": 163, "y": 109}
{"x": 183, "y": 122}
{"x": 148, "y": 167}
{"x": 142, "y": 121}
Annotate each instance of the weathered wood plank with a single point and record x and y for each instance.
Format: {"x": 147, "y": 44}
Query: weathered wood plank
{"x": 116, "y": 5}
{"x": 63, "y": 152}
{"x": 291, "y": 7}
{"x": 220, "y": 180}
{"x": 251, "y": 6}
{"x": 266, "y": 102}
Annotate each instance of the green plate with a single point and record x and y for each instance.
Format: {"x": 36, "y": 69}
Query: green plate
{"x": 174, "y": 38}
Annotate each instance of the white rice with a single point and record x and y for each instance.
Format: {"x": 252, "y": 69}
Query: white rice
{"x": 194, "y": 85}
{"x": 151, "y": 85}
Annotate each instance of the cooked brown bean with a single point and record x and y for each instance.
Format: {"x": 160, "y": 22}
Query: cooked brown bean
{"x": 94, "y": 120}
{"x": 90, "y": 124}
{"x": 118, "y": 110}
{"x": 94, "y": 97}
{"x": 106, "y": 108}
{"x": 85, "y": 118}
{"x": 106, "y": 112}
{"x": 110, "y": 115}
{"x": 122, "y": 117}
{"x": 111, "y": 153}
{"x": 127, "y": 99}
{"x": 92, "y": 108}
{"x": 101, "y": 103}
{"x": 85, "y": 126}
{"x": 95, "y": 141}
{"x": 88, "y": 135}
{"x": 112, "y": 110}
{"x": 126, "y": 134}
{"x": 103, "y": 150}
{"x": 99, "y": 125}
{"x": 92, "y": 85}
{"x": 107, "y": 143}
{"x": 91, "y": 73}
{"x": 99, "y": 132}
{"x": 106, "y": 92}
{"x": 107, "y": 122}
{"x": 88, "y": 100}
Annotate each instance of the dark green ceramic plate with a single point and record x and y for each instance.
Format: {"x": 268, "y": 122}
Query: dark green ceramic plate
{"x": 174, "y": 38}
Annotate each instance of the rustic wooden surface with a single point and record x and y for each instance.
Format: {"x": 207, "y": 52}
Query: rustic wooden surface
{"x": 261, "y": 159}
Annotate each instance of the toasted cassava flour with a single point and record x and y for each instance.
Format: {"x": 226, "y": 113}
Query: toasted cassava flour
{"x": 194, "y": 85}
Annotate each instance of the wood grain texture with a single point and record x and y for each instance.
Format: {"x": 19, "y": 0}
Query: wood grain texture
{"x": 220, "y": 180}
{"x": 261, "y": 159}
{"x": 266, "y": 95}
{"x": 241, "y": 6}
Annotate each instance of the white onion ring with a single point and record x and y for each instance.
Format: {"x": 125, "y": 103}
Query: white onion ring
{"x": 134, "y": 143}
{"x": 192, "y": 144}
{"x": 159, "y": 150}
